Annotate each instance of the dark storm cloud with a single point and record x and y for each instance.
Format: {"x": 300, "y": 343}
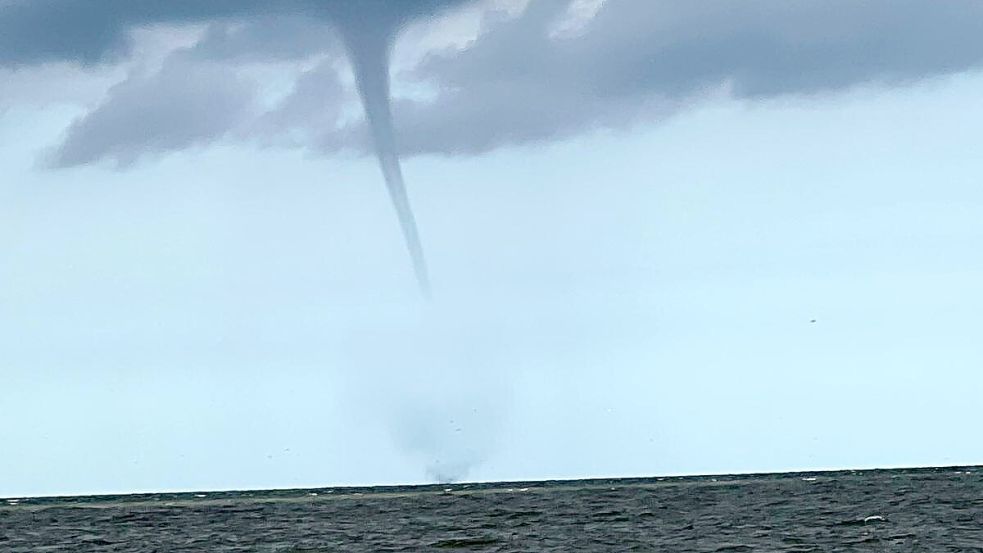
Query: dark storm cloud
{"x": 638, "y": 58}
{"x": 142, "y": 117}
{"x": 635, "y": 62}
{"x": 92, "y": 31}
{"x": 193, "y": 100}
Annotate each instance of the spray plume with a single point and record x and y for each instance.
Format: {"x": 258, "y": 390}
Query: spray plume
{"x": 369, "y": 51}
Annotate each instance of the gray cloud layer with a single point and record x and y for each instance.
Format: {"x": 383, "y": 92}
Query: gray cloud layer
{"x": 143, "y": 116}
{"x": 37, "y": 31}
{"x": 640, "y": 57}
{"x": 636, "y": 61}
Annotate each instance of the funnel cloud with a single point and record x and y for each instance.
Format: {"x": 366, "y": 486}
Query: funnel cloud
{"x": 369, "y": 52}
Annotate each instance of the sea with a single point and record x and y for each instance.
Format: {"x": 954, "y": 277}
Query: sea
{"x": 927, "y": 509}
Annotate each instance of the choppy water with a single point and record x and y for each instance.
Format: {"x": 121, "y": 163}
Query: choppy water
{"x": 904, "y": 510}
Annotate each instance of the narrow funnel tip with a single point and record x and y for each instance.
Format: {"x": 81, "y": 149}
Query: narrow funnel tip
{"x": 369, "y": 53}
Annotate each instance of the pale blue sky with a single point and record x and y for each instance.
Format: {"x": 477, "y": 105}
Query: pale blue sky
{"x": 634, "y": 301}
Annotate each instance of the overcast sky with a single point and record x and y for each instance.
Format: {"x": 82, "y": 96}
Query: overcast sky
{"x": 664, "y": 237}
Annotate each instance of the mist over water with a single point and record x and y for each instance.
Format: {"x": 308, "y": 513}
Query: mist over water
{"x": 437, "y": 382}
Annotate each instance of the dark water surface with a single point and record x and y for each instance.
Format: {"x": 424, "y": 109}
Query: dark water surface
{"x": 891, "y": 510}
